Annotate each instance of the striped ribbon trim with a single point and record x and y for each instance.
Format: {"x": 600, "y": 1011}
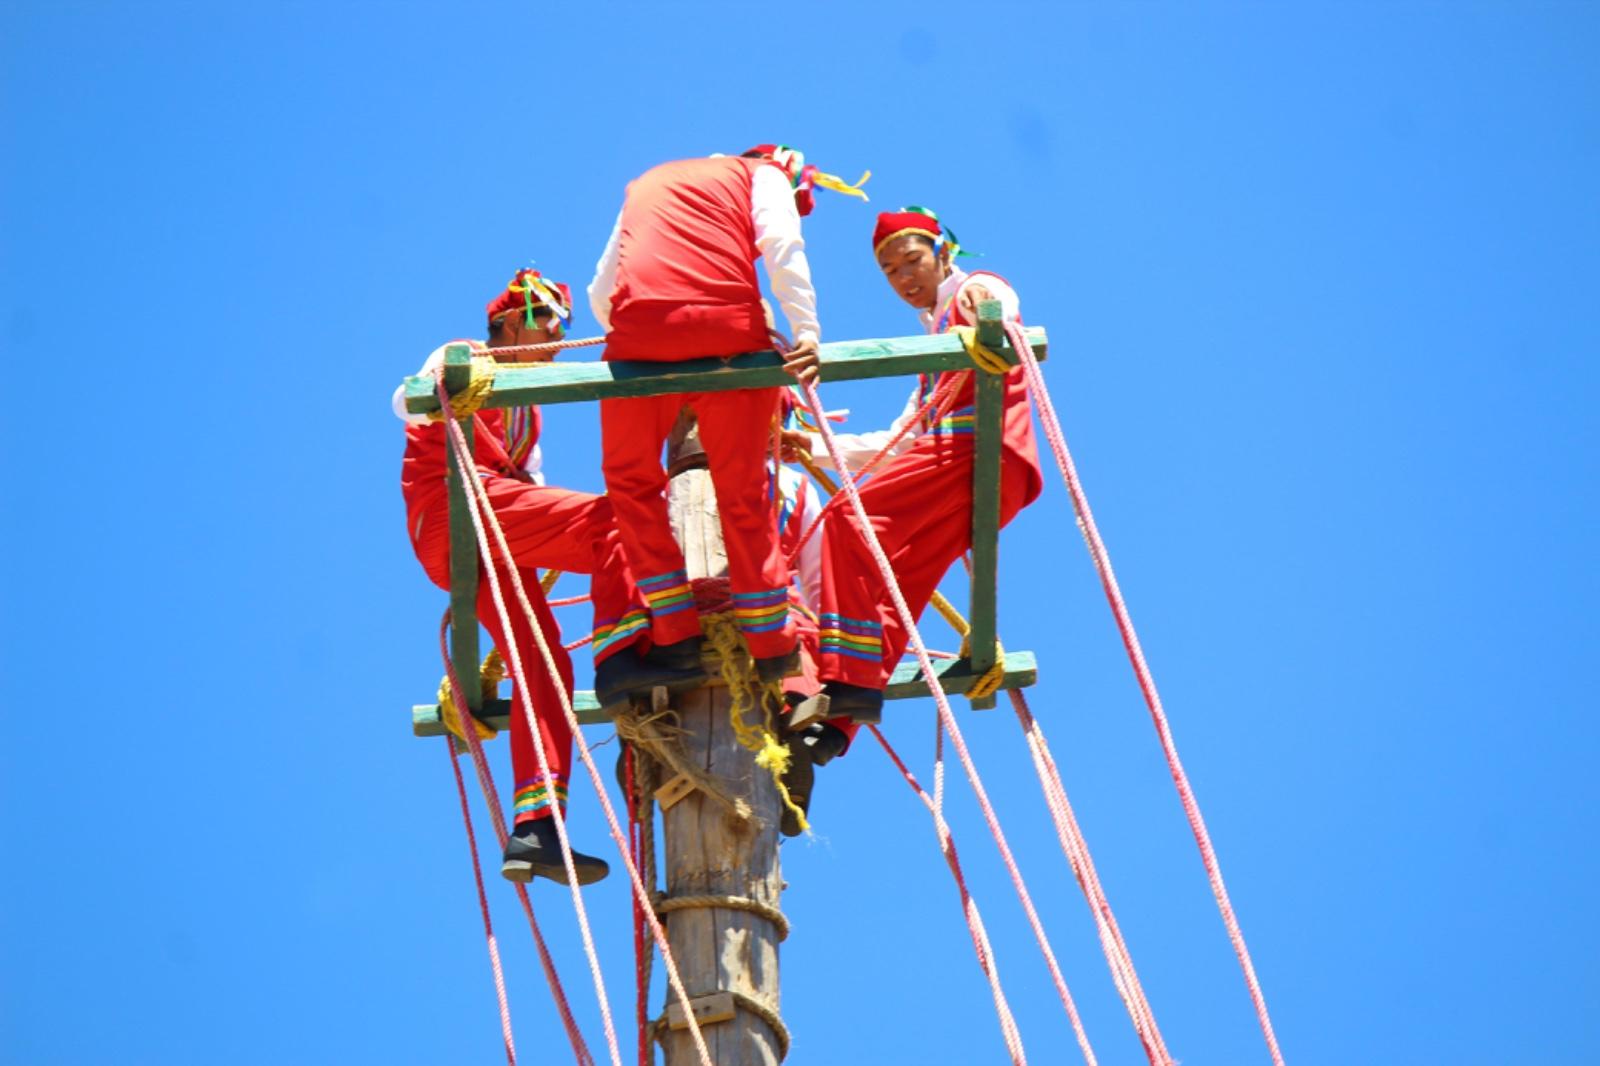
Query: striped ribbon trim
{"x": 851, "y": 637}
{"x": 667, "y": 593}
{"x": 535, "y": 796}
{"x": 612, "y": 632}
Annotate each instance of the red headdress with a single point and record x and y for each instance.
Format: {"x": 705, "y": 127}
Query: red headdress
{"x": 914, "y": 220}
{"x": 531, "y": 292}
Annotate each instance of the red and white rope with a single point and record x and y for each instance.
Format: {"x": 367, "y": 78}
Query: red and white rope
{"x": 483, "y": 908}
{"x": 886, "y": 572}
{"x": 1141, "y": 669}
{"x": 482, "y": 514}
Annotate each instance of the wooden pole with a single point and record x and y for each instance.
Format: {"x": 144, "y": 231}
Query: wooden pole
{"x": 728, "y": 957}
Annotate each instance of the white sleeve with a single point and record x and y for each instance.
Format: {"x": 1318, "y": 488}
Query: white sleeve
{"x": 1010, "y": 304}
{"x": 858, "y": 449}
{"x": 399, "y": 403}
{"x": 605, "y": 279}
{"x": 533, "y": 465}
{"x": 783, "y": 250}
{"x": 810, "y": 561}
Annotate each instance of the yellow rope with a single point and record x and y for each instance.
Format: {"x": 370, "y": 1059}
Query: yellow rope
{"x": 990, "y": 682}
{"x": 469, "y": 399}
{"x": 490, "y": 675}
{"x": 985, "y": 358}
{"x": 739, "y": 674}
{"x": 548, "y": 581}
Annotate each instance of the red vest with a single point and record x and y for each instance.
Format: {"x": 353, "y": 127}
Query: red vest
{"x": 686, "y": 253}
{"x": 1017, "y": 438}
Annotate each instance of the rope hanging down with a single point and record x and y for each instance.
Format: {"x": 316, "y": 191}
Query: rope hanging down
{"x": 483, "y": 908}
{"x": 491, "y": 799}
{"x": 914, "y": 636}
{"x": 1141, "y": 669}
{"x": 482, "y": 514}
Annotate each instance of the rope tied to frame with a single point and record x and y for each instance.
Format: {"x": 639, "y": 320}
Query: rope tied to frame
{"x": 470, "y": 399}
{"x": 990, "y": 682}
{"x": 983, "y": 357}
{"x": 490, "y": 675}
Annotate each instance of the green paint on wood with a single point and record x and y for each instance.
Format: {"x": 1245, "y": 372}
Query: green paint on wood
{"x": 564, "y": 382}
{"x": 955, "y": 676}
{"x": 463, "y": 543}
{"x": 990, "y": 413}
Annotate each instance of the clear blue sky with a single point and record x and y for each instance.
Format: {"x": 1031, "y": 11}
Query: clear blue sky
{"x": 1321, "y": 287}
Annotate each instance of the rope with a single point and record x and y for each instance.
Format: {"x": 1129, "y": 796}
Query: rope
{"x": 471, "y": 398}
{"x": 490, "y": 675}
{"x": 1076, "y": 848}
{"x": 661, "y": 741}
{"x": 738, "y": 673}
{"x": 491, "y": 799}
{"x": 483, "y": 908}
{"x": 548, "y": 580}
{"x": 668, "y": 904}
{"x": 1141, "y": 669}
{"x": 548, "y": 346}
{"x": 761, "y": 1010}
{"x": 638, "y": 811}
{"x": 482, "y": 513}
{"x": 969, "y": 908}
{"x": 985, "y": 358}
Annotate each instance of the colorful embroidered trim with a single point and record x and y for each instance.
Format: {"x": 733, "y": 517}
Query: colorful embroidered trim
{"x": 518, "y": 424}
{"x": 962, "y": 421}
{"x": 533, "y": 797}
{"x": 667, "y": 593}
{"x": 614, "y": 632}
{"x": 851, "y": 637}
{"x": 761, "y": 612}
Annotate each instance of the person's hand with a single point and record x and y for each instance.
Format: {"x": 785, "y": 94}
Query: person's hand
{"x": 795, "y": 445}
{"x": 970, "y": 296}
{"x": 802, "y": 362}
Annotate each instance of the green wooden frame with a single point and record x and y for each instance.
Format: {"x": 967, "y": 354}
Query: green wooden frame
{"x": 517, "y": 385}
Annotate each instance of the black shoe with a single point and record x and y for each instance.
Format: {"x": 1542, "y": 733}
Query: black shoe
{"x": 534, "y": 850}
{"x": 799, "y": 780}
{"x": 680, "y": 655}
{"x": 627, "y": 673}
{"x": 863, "y": 705}
{"x": 823, "y": 742}
{"x": 777, "y": 667}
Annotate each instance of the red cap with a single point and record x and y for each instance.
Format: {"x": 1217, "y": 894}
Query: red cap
{"x": 529, "y": 290}
{"x": 892, "y": 224}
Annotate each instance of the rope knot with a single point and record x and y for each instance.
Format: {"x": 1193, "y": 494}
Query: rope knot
{"x": 983, "y": 357}
{"x": 470, "y": 399}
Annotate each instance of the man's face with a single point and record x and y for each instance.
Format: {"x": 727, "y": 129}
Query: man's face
{"x": 515, "y": 332}
{"x": 913, "y": 269}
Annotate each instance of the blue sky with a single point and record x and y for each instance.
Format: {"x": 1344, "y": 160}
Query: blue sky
{"x": 1320, "y": 286}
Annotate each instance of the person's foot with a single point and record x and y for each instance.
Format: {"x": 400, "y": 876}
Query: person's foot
{"x": 777, "y": 667}
{"x": 627, "y": 673}
{"x": 680, "y": 654}
{"x": 863, "y": 705}
{"x": 534, "y": 850}
{"x": 823, "y": 742}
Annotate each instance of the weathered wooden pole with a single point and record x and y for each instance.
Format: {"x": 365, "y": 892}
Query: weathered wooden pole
{"x": 727, "y": 951}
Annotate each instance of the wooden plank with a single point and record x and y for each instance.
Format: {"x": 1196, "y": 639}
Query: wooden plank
{"x": 673, "y": 791}
{"x": 990, "y": 415}
{"x": 571, "y": 382}
{"x": 955, "y": 676}
{"x": 463, "y": 544}
{"x": 708, "y": 1010}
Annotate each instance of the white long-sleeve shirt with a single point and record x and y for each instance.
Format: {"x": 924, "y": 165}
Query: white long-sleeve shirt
{"x": 532, "y": 465}
{"x": 783, "y": 253}
{"x": 857, "y": 449}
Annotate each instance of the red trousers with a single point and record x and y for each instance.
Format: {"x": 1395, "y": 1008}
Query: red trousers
{"x": 735, "y": 430}
{"x": 550, "y": 528}
{"x": 920, "y": 506}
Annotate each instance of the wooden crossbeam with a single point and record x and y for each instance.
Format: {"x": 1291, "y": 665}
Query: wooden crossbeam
{"x": 573, "y": 382}
{"x": 955, "y": 677}
{"x": 989, "y": 417}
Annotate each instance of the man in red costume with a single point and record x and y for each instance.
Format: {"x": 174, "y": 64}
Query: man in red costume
{"x": 544, "y": 527}
{"x": 677, "y": 281}
{"x": 919, "y": 501}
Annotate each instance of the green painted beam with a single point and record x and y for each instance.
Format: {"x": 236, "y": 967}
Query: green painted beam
{"x": 463, "y": 544}
{"x": 989, "y": 415}
{"x": 573, "y": 382}
{"x": 955, "y": 677}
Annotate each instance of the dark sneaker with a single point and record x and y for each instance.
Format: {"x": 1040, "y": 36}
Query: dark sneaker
{"x": 534, "y": 850}
{"x": 627, "y": 673}
{"x": 799, "y": 779}
{"x": 777, "y": 667}
{"x": 682, "y": 655}
{"x": 863, "y": 705}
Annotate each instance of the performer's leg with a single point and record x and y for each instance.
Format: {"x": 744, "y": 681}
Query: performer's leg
{"x": 735, "y": 430}
{"x": 632, "y": 432}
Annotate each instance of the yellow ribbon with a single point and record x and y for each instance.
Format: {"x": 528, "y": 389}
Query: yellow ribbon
{"x": 835, "y": 183}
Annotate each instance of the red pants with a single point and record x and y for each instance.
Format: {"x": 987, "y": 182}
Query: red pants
{"x": 735, "y": 430}
{"x": 920, "y": 506}
{"x": 554, "y": 529}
